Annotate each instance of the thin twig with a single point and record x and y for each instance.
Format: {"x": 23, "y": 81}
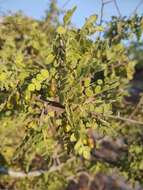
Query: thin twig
{"x": 110, "y": 1}
{"x": 135, "y": 10}
{"x": 66, "y": 3}
{"x": 116, "y": 117}
{"x": 134, "y": 111}
{"x": 124, "y": 119}
{"x": 101, "y": 12}
{"x": 117, "y": 7}
{"x": 136, "y": 108}
{"x": 103, "y": 3}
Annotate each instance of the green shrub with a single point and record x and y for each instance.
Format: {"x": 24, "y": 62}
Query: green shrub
{"x": 61, "y": 92}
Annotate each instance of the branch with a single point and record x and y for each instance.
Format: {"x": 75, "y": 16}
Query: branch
{"x": 103, "y": 3}
{"x": 17, "y": 174}
{"x": 59, "y": 108}
{"x": 65, "y": 4}
{"x": 117, "y": 7}
{"x": 55, "y": 106}
{"x": 50, "y": 102}
{"x": 119, "y": 118}
{"x": 124, "y": 119}
{"x": 101, "y": 12}
{"x": 135, "y": 10}
{"x": 136, "y": 108}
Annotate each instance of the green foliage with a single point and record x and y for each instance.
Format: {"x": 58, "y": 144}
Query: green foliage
{"x": 68, "y": 15}
{"x": 58, "y": 90}
{"x": 125, "y": 28}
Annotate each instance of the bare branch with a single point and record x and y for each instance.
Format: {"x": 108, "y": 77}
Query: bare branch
{"x": 135, "y": 10}
{"x": 136, "y": 108}
{"x": 17, "y": 174}
{"x": 103, "y": 3}
{"x": 117, "y": 7}
{"x": 66, "y": 3}
{"x": 101, "y": 12}
{"x": 119, "y": 118}
{"x": 124, "y": 119}
{"x": 110, "y": 1}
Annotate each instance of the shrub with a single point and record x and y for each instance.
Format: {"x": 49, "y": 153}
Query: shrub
{"x": 62, "y": 94}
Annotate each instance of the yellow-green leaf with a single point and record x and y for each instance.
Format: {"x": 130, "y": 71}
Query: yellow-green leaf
{"x": 68, "y": 15}
{"x": 31, "y": 87}
{"x": 88, "y": 92}
{"x": 50, "y": 59}
{"x": 73, "y": 138}
{"x": 87, "y": 82}
{"x": 45, "y": 73}
{"x": 61, "y": 30}
{"x": 38, "y": 86}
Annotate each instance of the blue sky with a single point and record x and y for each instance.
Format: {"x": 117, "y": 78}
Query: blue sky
{"x": 36, "y": 8}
